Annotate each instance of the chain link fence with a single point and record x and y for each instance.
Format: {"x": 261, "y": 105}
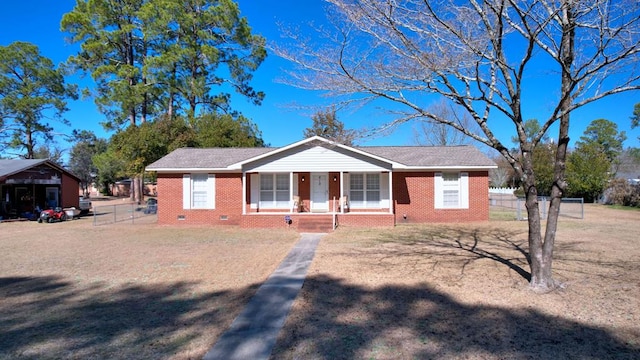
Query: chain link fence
{"x": 506, "y": 206}
{"x": 129, "y": 212}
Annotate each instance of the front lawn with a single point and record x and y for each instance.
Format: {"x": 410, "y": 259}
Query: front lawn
{"x": 460, "y": 292}
{"x": 72, "y": 290}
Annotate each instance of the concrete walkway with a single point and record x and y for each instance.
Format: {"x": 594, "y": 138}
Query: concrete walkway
{"x": 253, "y": 333}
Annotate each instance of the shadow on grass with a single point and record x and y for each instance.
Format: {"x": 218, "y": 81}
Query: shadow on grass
{"x": 344, "y": 321}
{"x": 462, "y": 246}
{"x": 458, "y": 246}
{"x": 48, "y": 317}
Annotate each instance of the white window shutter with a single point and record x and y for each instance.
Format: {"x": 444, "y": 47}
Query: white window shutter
{"x": 211, "y": 191}
{"x": 438, "y": 191}
{"x": 254, "y": 179}
{"x": 384, "y": 190}
{"x": 464, "y": 190}
{"x": 186, "y": 191}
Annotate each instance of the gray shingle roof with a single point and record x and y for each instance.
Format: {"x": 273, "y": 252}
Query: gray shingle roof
{"x": 208, "y": 158}
{"x": 410, "y": 156}
{"x": 430, "y": 156}
{"x": 12, "y": 166}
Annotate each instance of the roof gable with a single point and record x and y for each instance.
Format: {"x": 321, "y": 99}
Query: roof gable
{"x": 10, "y": 167}
{"x": 317, "y": 157}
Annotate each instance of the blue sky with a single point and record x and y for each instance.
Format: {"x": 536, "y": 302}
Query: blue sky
{"x": 38, "y": 21}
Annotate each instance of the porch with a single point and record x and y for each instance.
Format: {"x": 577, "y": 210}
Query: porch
{"x": 338, "y": 192}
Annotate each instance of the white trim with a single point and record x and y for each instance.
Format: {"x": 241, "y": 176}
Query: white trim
{"x": 211, "y": 191}
{"x": 464, "y": 190}
{"x": 244, "y": 193}
{"x": 186, "y": 191}
{"x": 390, "y": 192}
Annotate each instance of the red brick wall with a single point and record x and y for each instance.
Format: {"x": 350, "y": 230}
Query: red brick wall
{"x": 366, "y": 220}
{"x": 228, "y": 201}
{"x": 414, "y": 197}
{"x": 69, "y": 189}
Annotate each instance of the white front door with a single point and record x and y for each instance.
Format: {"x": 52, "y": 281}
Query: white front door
{"x": 319, "y": 192}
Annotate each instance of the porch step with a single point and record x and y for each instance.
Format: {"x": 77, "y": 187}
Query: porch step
{"x": 315, "y": 224}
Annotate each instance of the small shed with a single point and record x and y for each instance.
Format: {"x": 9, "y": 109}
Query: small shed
{"x": 30, "y": 184}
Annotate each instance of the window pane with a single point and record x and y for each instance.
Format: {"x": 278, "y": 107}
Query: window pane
{"x": 266, "y": 196}
{"x": 373, "y": 181}
{"x": 450, "y": 178}
{"x": 266, "y": 182}
{"x": 282, "y": 195}
{"x": 199, "y": 199}
{"x": 373, "y": 196}
{"x": 356, "y": 182}
{"x": 282, "y": 182}
{"x": 450, "y": 198}
{"x": 357, "y": 195}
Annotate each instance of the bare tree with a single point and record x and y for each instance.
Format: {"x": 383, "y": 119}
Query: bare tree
{"x": 498, "y": 177}
{"x": 479, "y": 55}
{"x": 434, "y": 133}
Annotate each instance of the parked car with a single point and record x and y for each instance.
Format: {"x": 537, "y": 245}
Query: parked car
{"x": 85, "y": 205}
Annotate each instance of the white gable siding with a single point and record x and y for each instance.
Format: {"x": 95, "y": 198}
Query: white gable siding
{"x": 318, "y": 159}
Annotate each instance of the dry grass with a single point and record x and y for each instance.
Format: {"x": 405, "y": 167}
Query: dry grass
{"x": 71, "y": 290}
{"x": 460, "y": 291}
{"x": 74, "y": 291}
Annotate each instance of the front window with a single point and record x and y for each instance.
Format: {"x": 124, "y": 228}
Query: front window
{"x": 364, "y": 190}
{"x": 274, "y": 190}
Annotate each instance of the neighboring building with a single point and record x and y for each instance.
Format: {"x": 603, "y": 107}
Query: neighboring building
{"x": 312, "y": 183}
{"x": 26, "y": 185}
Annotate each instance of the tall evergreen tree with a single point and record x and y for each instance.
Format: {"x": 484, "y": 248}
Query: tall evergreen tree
{"x": 30, "y": 86}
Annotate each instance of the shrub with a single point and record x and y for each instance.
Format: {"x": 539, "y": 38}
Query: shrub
{"x": 620, "y": 192}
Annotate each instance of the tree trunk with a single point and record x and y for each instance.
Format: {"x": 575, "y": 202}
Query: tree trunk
{"x": 541, "y": 277}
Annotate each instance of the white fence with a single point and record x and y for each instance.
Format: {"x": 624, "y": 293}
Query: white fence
{"x": 505, "y": 191}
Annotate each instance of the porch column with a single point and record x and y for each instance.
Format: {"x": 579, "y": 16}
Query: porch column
{"x": 390, "y": 192}
{"x": 244, "y": 192}
{"x": 341, "y": 192}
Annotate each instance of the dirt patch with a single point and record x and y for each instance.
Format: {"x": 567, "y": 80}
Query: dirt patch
{"x": 460, "y": 291}
{"x": 72, "y": 290}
